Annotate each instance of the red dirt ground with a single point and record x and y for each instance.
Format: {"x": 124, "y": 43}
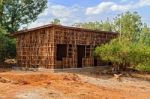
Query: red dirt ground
{"x": 40, "y": 85}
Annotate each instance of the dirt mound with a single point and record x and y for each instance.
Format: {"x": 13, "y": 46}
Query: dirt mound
{"x": 36, "y": 79}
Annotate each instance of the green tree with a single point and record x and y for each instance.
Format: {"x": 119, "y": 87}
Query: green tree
{"x": 7, "y": 46}
{"x": 115, "y": 51}
{"x": 3, "y": 42}
{"x": 89, "y": 25}
{"x": 132, "y": 47}
{"x": 145, "y": 35}
{"x": 124, "y": 53}
{"x": 129, "y": 25}
{"x": 102, "y": 25}
{"x": 15, "y": 13}
{"x": 56, "y": 22}
{"x": 107, "y": 25}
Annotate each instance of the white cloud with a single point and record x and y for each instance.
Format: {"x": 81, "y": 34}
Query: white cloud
{"x": 144, "y": 3}
{"x": 67, "y": 15}
{"x": 59, "y": 10}
{"x": 117, "y": 7}
{"x": 112, "y": 6}
{"x": 100, "y": 8}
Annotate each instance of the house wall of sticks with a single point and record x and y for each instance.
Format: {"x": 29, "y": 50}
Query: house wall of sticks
{"x": 60, "y": 47}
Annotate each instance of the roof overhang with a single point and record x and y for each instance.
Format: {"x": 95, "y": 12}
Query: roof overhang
{"x": 57, "y": 26}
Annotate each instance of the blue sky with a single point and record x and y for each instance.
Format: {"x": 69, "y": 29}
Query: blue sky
{"x": 75, "y": 11}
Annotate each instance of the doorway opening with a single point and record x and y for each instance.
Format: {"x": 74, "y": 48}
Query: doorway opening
{"x": 80, "y": 55}
{"x": 61, "y": 51}
{"x": 95, "y": 61}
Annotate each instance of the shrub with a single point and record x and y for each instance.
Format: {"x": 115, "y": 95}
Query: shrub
{"x": 124, "y": 53}
{"x": 143, "y": 67}
{"x": 7, "y": 46}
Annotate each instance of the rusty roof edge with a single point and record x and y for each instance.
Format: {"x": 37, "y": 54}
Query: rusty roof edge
{"x": 59, "y": 26}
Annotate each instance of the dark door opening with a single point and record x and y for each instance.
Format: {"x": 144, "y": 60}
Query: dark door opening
{"x": 95, "y": 61}
{"x": 61, "y": 51}
{"x": 80, "y": 54}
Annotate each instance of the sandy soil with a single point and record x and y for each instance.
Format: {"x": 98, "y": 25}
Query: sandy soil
{"x": 40, "y": 85}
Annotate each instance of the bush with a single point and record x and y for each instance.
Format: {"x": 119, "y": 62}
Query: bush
{"x": 124, "y": 53}
{"x": 7, "y": 46}
{"x": 116, "y": 51}
{"x": 143, "y": 67}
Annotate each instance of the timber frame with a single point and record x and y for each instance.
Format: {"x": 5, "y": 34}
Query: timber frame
{"x": 57, "y": 46}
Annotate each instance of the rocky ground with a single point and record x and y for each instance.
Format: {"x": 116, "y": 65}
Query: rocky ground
{"x": 46, "y": 85}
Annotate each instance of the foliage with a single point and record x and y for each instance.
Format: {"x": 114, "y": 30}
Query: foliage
{"x": 56, "y": 22}
{"x": 129, "y": 25}
{"x": 89, "y": 25}
{"x": 7, "y": 46}
{"x": 124, "y": 53}
{"x": 145, "y": 35}
{"x": 143, "y": 67}
{"x": 132, "y": 47}
{"x": 15, "y": 13}
{"x": 115, "y": 51}
{"x": 103, "y": 25}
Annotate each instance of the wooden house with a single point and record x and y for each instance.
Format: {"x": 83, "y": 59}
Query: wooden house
{"x": 57, "y": 46}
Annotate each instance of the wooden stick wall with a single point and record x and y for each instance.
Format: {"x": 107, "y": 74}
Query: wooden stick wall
{"x": 75, "y": 38}
{"x": 38, "y": 48}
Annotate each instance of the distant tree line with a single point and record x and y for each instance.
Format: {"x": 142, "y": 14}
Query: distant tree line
{"x": 102, "y": 25}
